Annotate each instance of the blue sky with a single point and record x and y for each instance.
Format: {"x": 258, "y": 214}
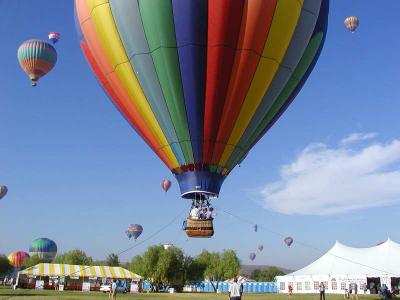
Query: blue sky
{"x": 78, "y": 174}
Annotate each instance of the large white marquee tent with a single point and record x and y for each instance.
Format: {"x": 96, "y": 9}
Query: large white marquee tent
{"x": 341, "y": 266}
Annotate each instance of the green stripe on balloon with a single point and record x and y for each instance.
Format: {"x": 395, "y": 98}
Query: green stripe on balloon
{"x": 159, "y": 28}
{"x": 301, "y": 69}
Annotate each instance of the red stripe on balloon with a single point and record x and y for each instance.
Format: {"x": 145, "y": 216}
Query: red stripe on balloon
{"x": 256, "y": 23}
{"x": 113, "y": 88}
{"x": 224, "y": 19}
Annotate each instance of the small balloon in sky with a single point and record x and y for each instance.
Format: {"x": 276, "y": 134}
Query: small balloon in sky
{"x": 36, "y": 58}
{"x": 351, "y": 23}
{"x": 3, "y": 191}
{"x": 54, "y": 37}
{"x": 165, "y": 184}
{"x": 134, "y": 231}
{"x": 252, "y": 256}
{"x": 288, "y": 241}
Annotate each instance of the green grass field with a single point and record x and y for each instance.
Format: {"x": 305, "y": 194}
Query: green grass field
{"x": 54, "y": 295}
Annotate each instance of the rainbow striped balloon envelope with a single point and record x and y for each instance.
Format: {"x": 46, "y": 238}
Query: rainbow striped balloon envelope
{"x": 36, "y": 58}
{"x": 17, "y": 258}
{"x": 201, "y": 81}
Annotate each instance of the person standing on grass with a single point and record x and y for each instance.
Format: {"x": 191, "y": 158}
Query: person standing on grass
{"x": 354, "y": 291}
{"x": 321, "y": 291}
{"x": 235, "y": 290}
{"x": 114, "y": 290}
{"x": 290, "y": 289}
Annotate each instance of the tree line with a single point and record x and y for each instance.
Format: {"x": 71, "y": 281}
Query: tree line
{"x": 162, "y": 267}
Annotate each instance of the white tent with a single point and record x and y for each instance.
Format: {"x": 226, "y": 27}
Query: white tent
{"x": 343, "y": 265}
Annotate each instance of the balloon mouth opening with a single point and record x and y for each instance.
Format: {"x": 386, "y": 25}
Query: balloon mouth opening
{"x": 198, "y": 194}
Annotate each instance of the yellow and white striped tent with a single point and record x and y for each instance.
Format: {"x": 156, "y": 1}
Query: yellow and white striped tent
{"x": 53, "y": 270}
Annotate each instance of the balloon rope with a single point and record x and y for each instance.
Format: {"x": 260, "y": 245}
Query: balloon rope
{"x": 155, "y": 233}
{"x": 307, "y": 245}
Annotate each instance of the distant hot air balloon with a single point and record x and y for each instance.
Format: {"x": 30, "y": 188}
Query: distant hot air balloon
{"x": 134, "y": 230}
{"x": 260, "y": 247}
{"x": 17, "y": 258}
{"x": 3, "y": 191}
{"x": 54, "y": 37}
{"x": 202, "y": 81}
{"x": 36, "y": 58}
{"x": 252, "y": 256}
{"x": 165, "y": 184}
{"x": 255, "y": 227}
{"x": 44, "y": 248}
{"x": 288, "y": 241}
{"x": 351, "y": 23}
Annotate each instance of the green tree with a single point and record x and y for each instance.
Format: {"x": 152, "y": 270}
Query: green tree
{"x": 160, "y": 267}
{"x": 230, "y": 264}
{"x": 113, "y": 260}
{"x": 256, "y": 274}
{"x": 31, "y": 261}
{"x": 268, "y": 274}
{"x": 193, "y": 270}
{"x": 217, "y": 267}
{"x": 5, "y": 265}
{"x": 74, "y": 257}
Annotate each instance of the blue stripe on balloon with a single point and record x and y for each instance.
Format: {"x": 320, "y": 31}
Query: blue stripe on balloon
{"x": 190, "y": 18}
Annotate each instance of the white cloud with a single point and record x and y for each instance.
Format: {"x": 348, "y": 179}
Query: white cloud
{"x": 332, "y": 180}
{"x": 356, "y": 137}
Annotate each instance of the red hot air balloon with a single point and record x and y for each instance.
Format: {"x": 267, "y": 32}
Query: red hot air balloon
{"x": 165, "y": 185}
{"x": 202, "y": 81}
{"x": 17, "y": 258}
{"x": 36, "y": 58}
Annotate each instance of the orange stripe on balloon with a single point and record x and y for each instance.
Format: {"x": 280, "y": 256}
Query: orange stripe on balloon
{"x": 256, "y": 23}
{"x": 120, "y": 95}
{"x": 134, "y": 119}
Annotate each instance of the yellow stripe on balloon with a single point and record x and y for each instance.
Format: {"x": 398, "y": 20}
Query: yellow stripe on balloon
{"x": 284, "y": 23}
{"x": 113, "y": 48}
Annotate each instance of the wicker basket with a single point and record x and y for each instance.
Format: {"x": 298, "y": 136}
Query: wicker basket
{"x": 199, "y": 228}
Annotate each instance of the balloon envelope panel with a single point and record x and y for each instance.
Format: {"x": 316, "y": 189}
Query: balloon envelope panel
{"x": 202, "y": 81}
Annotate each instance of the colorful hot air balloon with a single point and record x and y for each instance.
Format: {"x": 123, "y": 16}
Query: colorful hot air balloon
{"x": 202, "y": 81}
{"x": 134, "y": 230}
{"x": 351, "y": 23}
{"x": 44, "y": 248}
{"x": 252, "y": 256}
{"x": 54, "y": 37}
{"x": 255, "y": 227}
{"x": 165, "y": 185}
{"x": 36, "y": 58}
{"x": 17, "y": 258}
{"x": 260, "y": 247}
{"x": 288, "y": 241}
{"x": 3, "y": 191}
